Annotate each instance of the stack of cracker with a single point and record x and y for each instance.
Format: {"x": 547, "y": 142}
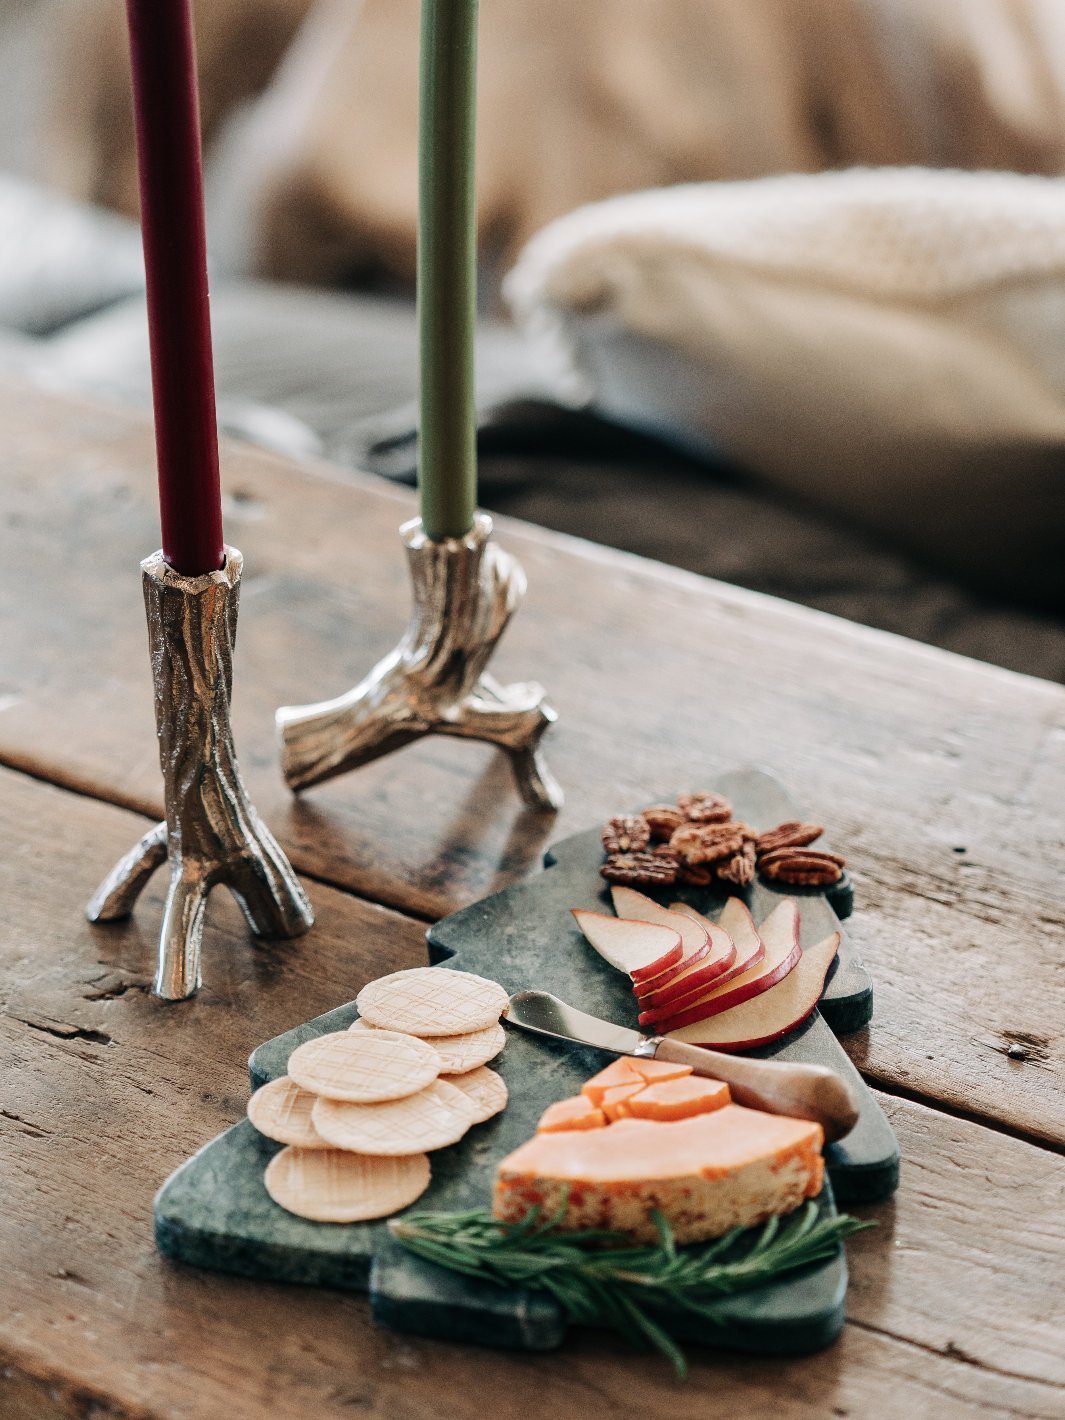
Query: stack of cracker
{"x": 360, "y": 1110}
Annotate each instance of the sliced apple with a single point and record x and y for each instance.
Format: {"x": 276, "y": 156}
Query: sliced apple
{"x": 641, "y": 908}
{"x": 780, "y": 937}
{"x": 628, "y": 945}
{"x": 767, "y": 1017}
{"x": 680, "y": 983}
{"x": 638, "y": 907}
{"x": 643, "y": 984}
{"x": 739, "y": 924}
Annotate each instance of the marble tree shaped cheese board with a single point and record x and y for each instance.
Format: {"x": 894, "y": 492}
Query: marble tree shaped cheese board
{"x": 214, "y": 1211}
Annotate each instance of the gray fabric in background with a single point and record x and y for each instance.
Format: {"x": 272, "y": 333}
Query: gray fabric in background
{"x": 301, "y": 370}
{"x": 59, "y": 260}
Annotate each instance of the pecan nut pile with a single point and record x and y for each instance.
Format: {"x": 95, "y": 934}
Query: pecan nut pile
{"x": 697, "y": 842}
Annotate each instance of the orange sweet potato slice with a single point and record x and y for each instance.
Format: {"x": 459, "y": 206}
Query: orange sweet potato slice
{"x": 575, "y": 1113}
{"x": 679, "y": 1098}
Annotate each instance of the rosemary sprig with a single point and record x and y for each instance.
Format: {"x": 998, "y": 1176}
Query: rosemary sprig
{"x": 622, "y": 1287}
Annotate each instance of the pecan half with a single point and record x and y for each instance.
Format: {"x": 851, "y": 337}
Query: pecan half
{"x": 663, "y": 850}
{"x": 696, "y": 875}
{"x": 791, "y": 834}
{"x": 640, "y": 869}
{"x": 697, "y": 843}
{"x": 664, "y": 819}
{"x": 739, "y": 869}
{"x": 626, "y": 833}
{"x": 802, "y": 867}
{"x": 704, "y": 808}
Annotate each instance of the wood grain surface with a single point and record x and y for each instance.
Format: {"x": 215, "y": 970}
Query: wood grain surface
{"x": 942, "y": 778}
{"x": 951, "y": 1296}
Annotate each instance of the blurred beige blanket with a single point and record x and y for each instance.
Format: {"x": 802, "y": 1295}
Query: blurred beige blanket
{"x": 578, "y": 101}
{"x": 889, "y": 343}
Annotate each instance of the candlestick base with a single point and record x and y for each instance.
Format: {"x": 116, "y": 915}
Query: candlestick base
{"x": 435, "y": 682}
{"x": 212, "y": 833}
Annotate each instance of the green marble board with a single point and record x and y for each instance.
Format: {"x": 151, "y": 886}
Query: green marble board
{"x": 214, "y": 1211}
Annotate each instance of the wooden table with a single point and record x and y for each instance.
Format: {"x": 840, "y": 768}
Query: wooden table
{"x": 944, "y": 779}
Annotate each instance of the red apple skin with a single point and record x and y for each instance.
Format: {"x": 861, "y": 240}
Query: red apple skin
{"x": 739, "y": 967}
{"x": 654, "y": 970}
{"x": 782, "y": 924}
{"x": 671, "y": 958}
{"x": 583, "y": 916}
{"x": 738, "y": 922}
{"x": 630, "y": 903}
{"x": 747, "y": 941}
{"x": 733, "y": 1047}
{"x": 812, "y": 989}
{"x": 678, "y": 988}
{"x": 714, "y": 1005}
{"x": 643, "y": 987}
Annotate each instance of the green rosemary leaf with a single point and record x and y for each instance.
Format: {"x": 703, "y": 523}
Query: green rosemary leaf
{"x": 622, "y": 1287}
{"x": 657, "y": 1336}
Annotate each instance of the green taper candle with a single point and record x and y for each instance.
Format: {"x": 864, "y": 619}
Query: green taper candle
{"x": 447, "y": 267}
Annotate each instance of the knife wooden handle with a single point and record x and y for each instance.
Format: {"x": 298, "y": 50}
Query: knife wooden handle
{"x": 777, "y": 1086}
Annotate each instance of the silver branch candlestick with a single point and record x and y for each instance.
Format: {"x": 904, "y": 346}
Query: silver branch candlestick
{"x": 212, "y": 833}
{"x": 435, "y": 682}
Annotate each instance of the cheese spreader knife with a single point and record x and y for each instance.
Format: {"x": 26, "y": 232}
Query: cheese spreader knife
{"x": 776, "y": 1086}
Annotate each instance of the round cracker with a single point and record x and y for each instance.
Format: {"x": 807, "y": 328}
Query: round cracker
{"x": 364, "y": 1068}
{"x": 485, "y": 1090}
{"x": 433, "y": 1118}
{"x": 430, "y": 1000}
{"x": 459, "y": 1053}
{"x": 282, "y": 1110}
{"x": 332, "y": 1186}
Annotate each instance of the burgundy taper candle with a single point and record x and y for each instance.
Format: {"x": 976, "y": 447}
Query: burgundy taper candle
{"x": 167, "y": 117}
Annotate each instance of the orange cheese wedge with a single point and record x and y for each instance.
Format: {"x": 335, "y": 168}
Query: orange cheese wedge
{"x": 678, "y": 1099}
{"x": 654, "y": 1071}
{"x": 630, "y": 1070}
{"x": 734, "y": 1167}
{"x": 618, "y": 1072}
{"x": 575, "y": 1113}
{"x": 615, "y": 1100}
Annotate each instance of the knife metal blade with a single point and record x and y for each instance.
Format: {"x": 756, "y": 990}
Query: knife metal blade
{"x": 545, "y": 1014}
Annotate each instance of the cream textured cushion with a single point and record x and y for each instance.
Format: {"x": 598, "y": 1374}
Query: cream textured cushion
{"x": 888, "y": 342}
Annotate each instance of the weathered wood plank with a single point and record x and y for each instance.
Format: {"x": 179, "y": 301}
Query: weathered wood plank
{"x": 944, "y": 779}
{"x": 952, "y": 1297}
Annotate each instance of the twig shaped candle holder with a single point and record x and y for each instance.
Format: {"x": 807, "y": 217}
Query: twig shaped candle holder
{"x": 212, "y": 833}
{"x": 435, "y": 682}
